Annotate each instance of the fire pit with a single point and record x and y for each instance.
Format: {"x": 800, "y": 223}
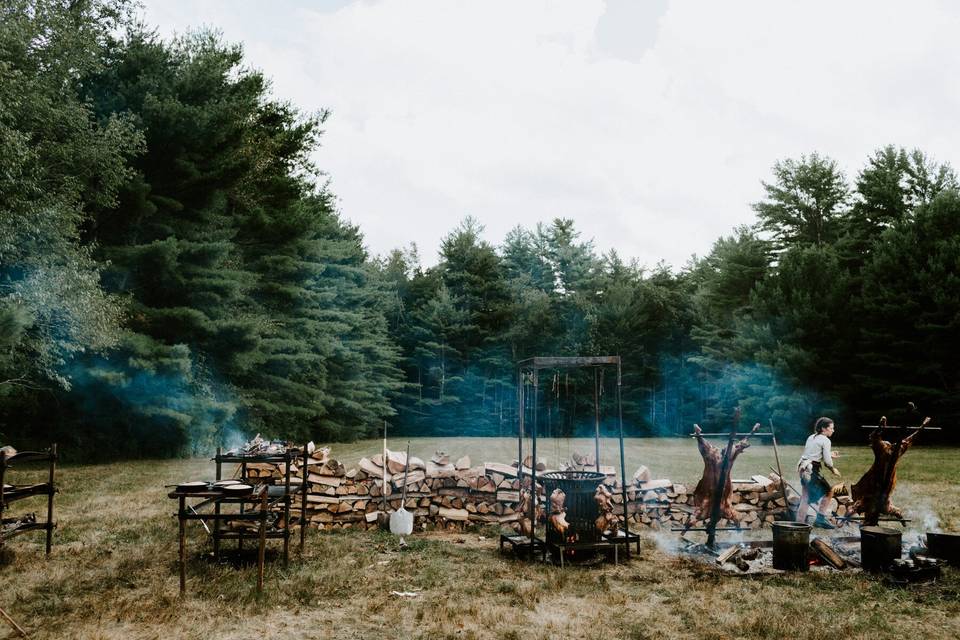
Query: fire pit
{"x": 572, "y": 518}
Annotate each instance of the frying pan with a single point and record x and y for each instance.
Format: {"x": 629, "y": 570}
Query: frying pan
{"x": 192, "y": 487}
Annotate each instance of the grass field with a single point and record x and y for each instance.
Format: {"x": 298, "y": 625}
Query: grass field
{"x": 113, "y": 573}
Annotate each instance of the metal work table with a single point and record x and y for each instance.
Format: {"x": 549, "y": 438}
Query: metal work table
{"x": 187, "y": 512}
{"x": 12, "y": 527}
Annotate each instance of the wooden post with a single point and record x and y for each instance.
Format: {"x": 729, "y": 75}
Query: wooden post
{"x": 183, "y": 545}
{"x": 243, "y": 478}
{"x": 288, "y": 459}
{"x": 51, "y": 490}
{"x": 263, "y": 540}
{"x": 216, "y": 512}
{"x": 303, "y": 499}
{"x": 3, "y": 473}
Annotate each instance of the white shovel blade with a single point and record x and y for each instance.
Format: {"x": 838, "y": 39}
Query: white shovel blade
{"x": 401, "y": 522}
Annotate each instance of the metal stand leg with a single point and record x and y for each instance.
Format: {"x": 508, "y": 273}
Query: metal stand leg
{"x": 183, "y": 546}
{"x": 263, "y": 542}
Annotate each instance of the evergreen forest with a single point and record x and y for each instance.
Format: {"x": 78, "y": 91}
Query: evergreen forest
{"x": 175, "y": 274}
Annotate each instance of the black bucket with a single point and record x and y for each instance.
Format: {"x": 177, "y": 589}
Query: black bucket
{"x": 945, "y": 546}
{"x": 879, "y": 547}
{"x": 581, "y": 506}
{"x": 791, "y": 542}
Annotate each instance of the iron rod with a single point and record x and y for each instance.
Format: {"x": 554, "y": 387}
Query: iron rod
{"x": 596, "y": 418}
{"x": 286, "y": 508}
{"x": 183, "y": 546}
{"x": 216, "y": 509}
{"x": 303, "y": 498}
{"x": 776, "y": 455}
{"x": 877, "y": 426}
{"x": 53, "y": 468}
{"x": 533, "y": 464}
{"x": 623, "y": 466}
{"x": 263, "y": 541}
{"x": 737, "y": 435}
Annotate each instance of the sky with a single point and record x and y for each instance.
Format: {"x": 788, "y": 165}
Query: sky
{"x": 651, "y": 123}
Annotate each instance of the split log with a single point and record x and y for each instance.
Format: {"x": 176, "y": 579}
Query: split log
{"x": 371, "y": 468}
{"x": 330, "y": 481}
{"x": 508, "y": 496}
{"x": 650, "y": 485}
{"x": 454, "y": 514}
{"x": 826, "y": 551}
{"x": 411, "y": 477}
{"x": 728, "y": 554}
{"x": 502, "y": 469}
{"x": 463, "y": 463}
{"x": 435, "y": 470}
{"x": 396, "y": 461}
{"x": 642, "y": 474}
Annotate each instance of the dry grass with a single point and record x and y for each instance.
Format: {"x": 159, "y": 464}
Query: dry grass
{"x": 113, "y": 573}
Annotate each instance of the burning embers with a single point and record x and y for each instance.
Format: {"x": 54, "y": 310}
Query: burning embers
{"x": 258, "y": 446}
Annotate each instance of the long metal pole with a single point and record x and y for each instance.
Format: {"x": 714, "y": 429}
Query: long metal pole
{"x": 721, "y": 483}
{"x": 521, "y": 409}
{"x": 216, "y": 510}
{"x": 533, "y": 464}
{"x": 623, "y": 465}
{"x": 776, "y": 455}
{"x": 52, "y": 490}
{"x": 596, "y": 417}
{"x": 183, "y": 546}
{"x": 383, "y": 483}
{"x": 303, "y": 497}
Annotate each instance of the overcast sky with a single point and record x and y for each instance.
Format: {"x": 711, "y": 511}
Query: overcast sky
{"x": 651, "y": 123}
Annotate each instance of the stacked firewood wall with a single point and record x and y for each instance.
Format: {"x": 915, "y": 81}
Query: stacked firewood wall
{"x": 450, "y": 495}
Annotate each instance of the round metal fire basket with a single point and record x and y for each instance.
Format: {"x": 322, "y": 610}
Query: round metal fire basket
{"x": 581, "y": 507}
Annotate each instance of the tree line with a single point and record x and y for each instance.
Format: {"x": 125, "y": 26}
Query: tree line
{"x": 174, "y": 274}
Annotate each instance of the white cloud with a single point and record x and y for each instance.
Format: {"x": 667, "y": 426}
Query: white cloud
{"x": 515, "y": 112}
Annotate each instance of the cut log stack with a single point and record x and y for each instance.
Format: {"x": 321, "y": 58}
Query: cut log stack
{"x": 447, "y": 494}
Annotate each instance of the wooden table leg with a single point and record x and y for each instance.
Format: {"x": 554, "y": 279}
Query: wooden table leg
{"x": 263, "y": 542}
{"x": 183, "y": 546}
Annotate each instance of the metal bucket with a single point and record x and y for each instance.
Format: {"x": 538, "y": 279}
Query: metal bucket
{"x": 944, "y": 545}
{"x": 581, "y": 506}
{"x": 791, "y": 542}
{"x": 879, "y": 547}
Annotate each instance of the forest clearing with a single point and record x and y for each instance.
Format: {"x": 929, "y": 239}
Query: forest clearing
{"x": 113, "y": 570}
{"x": 306, "y": 309}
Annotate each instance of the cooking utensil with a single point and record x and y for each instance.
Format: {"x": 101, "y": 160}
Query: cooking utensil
{"x": 192, "y": 487}
{"x": 944, "y": 545}
{"x": 237, "y": 489}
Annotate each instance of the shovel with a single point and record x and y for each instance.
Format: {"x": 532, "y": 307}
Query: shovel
{"x": 401, "y": 520}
